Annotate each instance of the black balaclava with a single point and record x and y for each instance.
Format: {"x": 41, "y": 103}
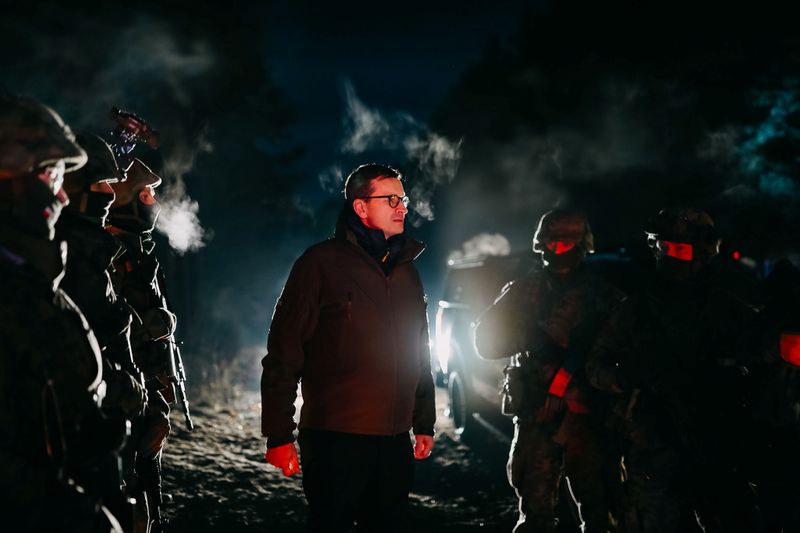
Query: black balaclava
{"x": 135, "y": 216}
{"x": 569, "y": 260}
{"x": 29, "y": 204}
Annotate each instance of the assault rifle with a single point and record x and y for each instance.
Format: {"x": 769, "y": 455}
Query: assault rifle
{"x": 176, "y": 372}
{"x": 177, "y": 378}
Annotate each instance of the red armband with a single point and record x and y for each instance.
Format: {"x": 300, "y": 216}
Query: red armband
{"x": 560, "y": 382}
{"x": 790, "y": 348}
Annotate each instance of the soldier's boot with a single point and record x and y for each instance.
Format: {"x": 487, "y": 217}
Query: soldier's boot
{"x": 155, "y": 502}
{"x": 536, "y": 524}
{"x": 141, "y": 522}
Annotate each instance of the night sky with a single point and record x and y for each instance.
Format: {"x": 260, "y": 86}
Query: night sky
{"x": 495, "y": 114}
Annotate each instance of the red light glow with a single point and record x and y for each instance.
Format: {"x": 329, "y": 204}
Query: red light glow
{"x": 677, "y": 250}
{"x": 560, "y": 247}
{"x": 790, "y": 348}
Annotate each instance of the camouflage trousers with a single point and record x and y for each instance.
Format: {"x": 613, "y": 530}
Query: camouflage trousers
{"x": 541, "y": 455}
{"x": 668, "y": 490}
{"x": 658, "y": 490}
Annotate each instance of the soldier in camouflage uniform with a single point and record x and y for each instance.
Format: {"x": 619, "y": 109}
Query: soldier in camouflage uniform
{"x": 671, "y": 356}
{"x": 549, "y": 319}
{"x": 51, "y": 384}
{"x": 772, "y": 459}
{"x": 90, "y": 252}
{"x": 137, "y": 278}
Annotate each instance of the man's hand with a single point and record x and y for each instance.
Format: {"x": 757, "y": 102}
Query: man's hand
{"x": 423, "y": 446}
{"x": 124, "y": 392}
{"x": 284, "y": 457}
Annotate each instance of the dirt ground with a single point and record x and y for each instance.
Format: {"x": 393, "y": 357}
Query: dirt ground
{"x": 219, "y": 481}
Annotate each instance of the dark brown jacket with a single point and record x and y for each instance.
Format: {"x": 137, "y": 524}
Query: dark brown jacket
{"x": 357, "y": 341}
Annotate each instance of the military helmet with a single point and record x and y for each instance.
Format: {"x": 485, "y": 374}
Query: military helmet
{"x": 100, "y": 166}
{"x": 564, "y": 225}
{"x": 685, "y": 233}
{"x": 139, "y": 176}
{"x": 33, "y": 136}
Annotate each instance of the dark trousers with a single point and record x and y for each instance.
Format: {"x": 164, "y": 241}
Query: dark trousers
{"x": 660, "y": 493}
{"x": 356, "y": 479}
{"x": 671, "y": 486}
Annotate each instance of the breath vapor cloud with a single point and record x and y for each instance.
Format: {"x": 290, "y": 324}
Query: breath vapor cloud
{"x": 179, "y": 219}
{"x": 431, "y": 158}
{"x": 482, "y": 245}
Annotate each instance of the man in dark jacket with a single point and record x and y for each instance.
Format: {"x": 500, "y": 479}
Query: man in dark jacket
{"x": 351, "y": 325}
{"x": 548, "y": 319}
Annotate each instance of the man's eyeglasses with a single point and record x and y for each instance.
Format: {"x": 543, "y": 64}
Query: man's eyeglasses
{"x": 393, "y": 199}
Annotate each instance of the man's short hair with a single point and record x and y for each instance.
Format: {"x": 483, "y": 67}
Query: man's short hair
{"x": 359, "y": 183}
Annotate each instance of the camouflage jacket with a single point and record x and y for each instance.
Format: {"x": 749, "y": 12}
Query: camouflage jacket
{"x": 552, "y": 321}
{"x": 135, "y": 277}
{"x": 675, "y": 354}
{"x": 89, "y": 254}
{"x": 50, "y": 390}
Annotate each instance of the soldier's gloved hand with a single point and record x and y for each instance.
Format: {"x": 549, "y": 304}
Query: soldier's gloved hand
{"x": 284, "y": 457}
{"x": 159, "y": 322}
{"x": 624, "y": 382}
{"x": 552, "y": 408}
{"x": 633, "y": 375}
{"x": 124, "y": 392}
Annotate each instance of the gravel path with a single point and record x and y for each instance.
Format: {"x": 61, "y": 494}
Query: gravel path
{"x": 219, "y": 480}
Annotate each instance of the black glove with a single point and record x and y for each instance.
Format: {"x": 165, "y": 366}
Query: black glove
{"x": 635, "y": 373}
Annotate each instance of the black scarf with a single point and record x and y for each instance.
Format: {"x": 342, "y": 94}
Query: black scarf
{"x": 384, "y": 251}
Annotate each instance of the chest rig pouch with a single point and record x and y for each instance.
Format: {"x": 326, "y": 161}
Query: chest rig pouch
{"x": 521, "y": 392}
{"x": 513, "y": 391}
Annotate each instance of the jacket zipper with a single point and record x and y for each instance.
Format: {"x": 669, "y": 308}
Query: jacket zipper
{"x": 394, "y": 354}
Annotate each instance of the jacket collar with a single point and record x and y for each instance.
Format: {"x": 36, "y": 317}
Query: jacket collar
{"x": 88, "y": 239}
{"x": 406, "y": 248}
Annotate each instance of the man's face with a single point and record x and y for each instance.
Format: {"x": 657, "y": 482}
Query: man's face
{"x": 376, "y": 213}
{"x": 147, "y": 196}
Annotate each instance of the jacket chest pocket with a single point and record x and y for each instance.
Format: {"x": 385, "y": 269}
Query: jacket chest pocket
{"x": 335, "y": 323}
{"x": 341, "y": 309}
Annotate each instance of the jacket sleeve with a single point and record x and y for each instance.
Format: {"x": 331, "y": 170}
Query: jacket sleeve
{"x": 502, "y": 330}
{"x": 424, "y": 415}
{"x": 603, "y": 359}
{"x": 293, "y": 323}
